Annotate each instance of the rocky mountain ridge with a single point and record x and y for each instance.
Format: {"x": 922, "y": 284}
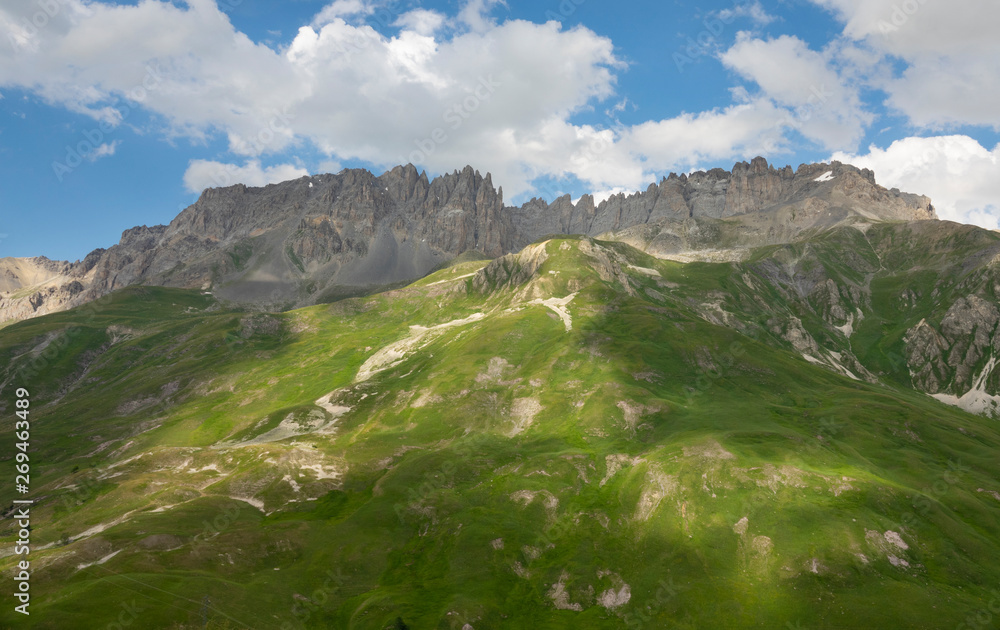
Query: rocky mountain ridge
{"x": 749, "y": 189}
{"x": 317, "y": 238}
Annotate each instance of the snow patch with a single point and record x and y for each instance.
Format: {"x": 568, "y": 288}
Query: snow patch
{"x": 832, "y": 361}
{"x": 825, "y": 177}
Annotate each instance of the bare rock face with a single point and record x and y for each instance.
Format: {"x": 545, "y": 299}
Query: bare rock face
{"x": 511, "y": 270}
{"x": 30, "y": 287}
{"x": 285, "y": 244}
{"x": 316, "y": 238}
{"x": 945, "y": 360}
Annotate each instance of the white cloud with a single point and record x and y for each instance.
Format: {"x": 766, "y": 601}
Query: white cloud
{"x": 961, "y": 177}
{"x": 202, "y": 174}
{"x": 476, "y": 14}
{"x": 752, "y": 10}
{"x": 106, "y": 149}
{"x": 746, "y": 129}
{"x": 601, "y": 196}
{"x": 824, "y": 107}
{"x": 421, "y": 21}
{"x": 479, "y": 98}
{"x": 329, "y": 166}
{"x": 619, "y": 107}
{"x": 950, "y": 50}
{"x": 341, "y": 9}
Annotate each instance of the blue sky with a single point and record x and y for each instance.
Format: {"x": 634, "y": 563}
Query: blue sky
{"x": 119, "y": 114}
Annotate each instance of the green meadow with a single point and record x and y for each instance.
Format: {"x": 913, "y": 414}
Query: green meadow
{"x": 474, "y": 451}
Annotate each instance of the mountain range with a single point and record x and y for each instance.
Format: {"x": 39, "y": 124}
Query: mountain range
{"x": 318, "y": 238}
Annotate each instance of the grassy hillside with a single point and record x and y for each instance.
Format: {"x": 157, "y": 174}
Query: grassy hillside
{"x": 477, "y": 450}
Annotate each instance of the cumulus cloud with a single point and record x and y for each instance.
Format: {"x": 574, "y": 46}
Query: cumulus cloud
{"x": 745, "y": 129}
{"x": 202, "y": 174}
{"x": 420, "y": 21}
{"x": 824, "y": 107}
{"x": 950, "y": 76}
{"x": 476, "y": 14}
{"x": 961, "y": 176}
